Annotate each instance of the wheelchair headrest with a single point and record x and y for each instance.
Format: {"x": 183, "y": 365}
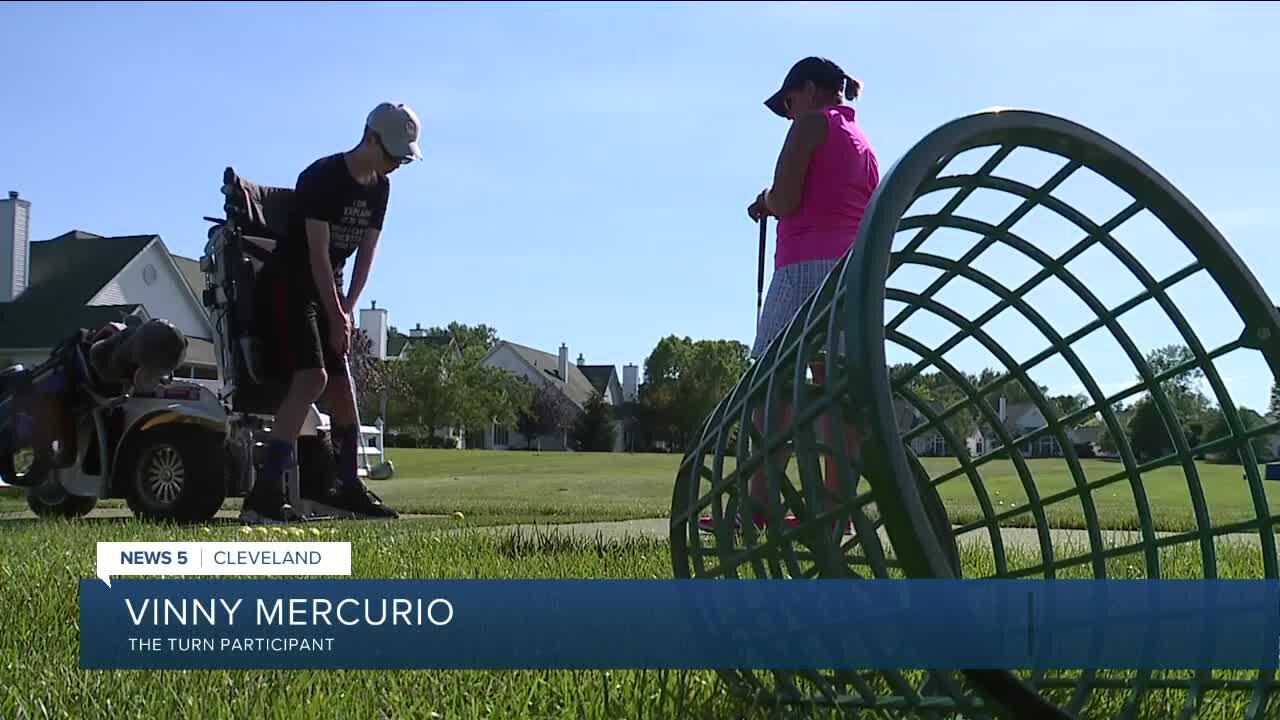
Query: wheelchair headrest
{"x": 257, "y": 209}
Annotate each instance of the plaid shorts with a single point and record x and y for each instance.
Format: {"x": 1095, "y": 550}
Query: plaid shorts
{"x": 790, "y": 287}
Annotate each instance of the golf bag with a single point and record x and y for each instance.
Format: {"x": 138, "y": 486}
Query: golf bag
{"x": 39, "y": 406}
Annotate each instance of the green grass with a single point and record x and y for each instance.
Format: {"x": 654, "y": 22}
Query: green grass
{"x": 1168, "y": 495}
{"x": 498, "y": 487}
{"x": 549, "y": 487}
{"x": 42, "y": 562}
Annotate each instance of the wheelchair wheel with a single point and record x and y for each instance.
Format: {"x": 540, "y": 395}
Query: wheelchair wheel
{"x": 175, "y": 473}
{"x": 67, "y": 506}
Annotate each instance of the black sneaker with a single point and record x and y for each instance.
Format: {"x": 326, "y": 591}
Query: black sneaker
{"x": 361, "y": 501}
{"x": 263, "y": 508}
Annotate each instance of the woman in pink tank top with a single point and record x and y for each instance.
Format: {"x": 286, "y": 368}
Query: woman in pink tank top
{"x": 824, "y": 178}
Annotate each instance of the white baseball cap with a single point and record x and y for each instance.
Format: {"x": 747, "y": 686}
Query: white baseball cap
{"x": 397, "y": 126}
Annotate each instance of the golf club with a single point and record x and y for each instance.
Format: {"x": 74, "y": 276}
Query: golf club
{"x": 764, "y": 224}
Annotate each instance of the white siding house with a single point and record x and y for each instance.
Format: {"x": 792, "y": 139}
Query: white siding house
{"x": 576, "y": 381}
{"x": 83, "y": 280}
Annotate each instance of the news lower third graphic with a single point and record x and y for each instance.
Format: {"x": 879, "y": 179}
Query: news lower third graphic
{"x": 222, "y": 558}
{"x": 337, "y": 623}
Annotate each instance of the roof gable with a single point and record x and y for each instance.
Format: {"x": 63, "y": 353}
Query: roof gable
{"x": 601, "y": 377}
{"x": 578, "y": 388}
{"x": 191, "y": 272}
{"x": 76, "y": 265}
{"x": 66, "y": 272}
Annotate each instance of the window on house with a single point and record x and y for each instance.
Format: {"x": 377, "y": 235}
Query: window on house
{"x": 501, "y": 436}
{"x": 937, "y": 446}
{"x": 1048, "y": 447}
{"x": 204, "y": 373}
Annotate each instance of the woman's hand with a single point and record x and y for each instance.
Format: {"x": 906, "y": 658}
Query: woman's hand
{"x": 759, "y": 208}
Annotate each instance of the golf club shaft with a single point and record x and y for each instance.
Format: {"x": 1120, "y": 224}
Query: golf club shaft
{"x": 764, "y": 220}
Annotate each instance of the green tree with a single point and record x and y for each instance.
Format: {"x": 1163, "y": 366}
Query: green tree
{"x": 1106, "y": 442}
{"x": 548, "y": 411}
{"x": 1067, "y": 404}
{"x": 655, "y": 412}
{"x": 684, "y": 380}
{"x": 1148, "y": 435}
{"x": 427, "y": 383}
{"x": 467, "y": 336}
{"x": 1013, "y": 390}
{"x": 711, "y": 368}
{"x": 1168, "y": 357}
{"x": 664, "y": 363}
{"x": 1273, "y": 407}
{"x": 1191, "y": 408}
{"x": 659, "y": 413}
{"x": 1218, "y": 429}
{"x": 393, "y": 332}
{"x": 595, "y": 427}
{"x": 376, "y": 380}
{"x": 481, "y": 394}
{"x": 942, "y": 392}
{"x": 1186, "y": 399}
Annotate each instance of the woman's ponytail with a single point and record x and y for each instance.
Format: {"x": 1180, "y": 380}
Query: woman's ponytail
{"x": 852, "y": 87}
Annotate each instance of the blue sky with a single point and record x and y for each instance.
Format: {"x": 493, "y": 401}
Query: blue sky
{"x": 588, "y": 165}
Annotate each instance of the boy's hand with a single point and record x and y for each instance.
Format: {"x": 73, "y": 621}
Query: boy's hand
{"x": 340, "y": 333}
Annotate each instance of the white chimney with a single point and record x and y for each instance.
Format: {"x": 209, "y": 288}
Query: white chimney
{"x": 15, "y": 246}
{"x": 417, "y": 331}
{"x": 564, "y": 362}
{"x": 581, "y": 360}
{"x": 373, "y": 321}
{"x": 630, "y": 383}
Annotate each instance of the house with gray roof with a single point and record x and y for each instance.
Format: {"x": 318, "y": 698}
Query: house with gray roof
{"x": 1018, "y": 419}
{"x": 1024, "y": 418}
{"x": 51, "y": 288}
{"x": 578, "y": 382}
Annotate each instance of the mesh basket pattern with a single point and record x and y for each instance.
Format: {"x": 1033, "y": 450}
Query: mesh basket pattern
{"x": 1020, "y": 291}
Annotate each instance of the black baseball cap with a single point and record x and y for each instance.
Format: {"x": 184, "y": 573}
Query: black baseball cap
{"x": 821, "y": 71}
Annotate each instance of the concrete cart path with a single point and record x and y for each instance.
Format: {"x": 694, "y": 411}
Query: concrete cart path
{"x": 1075, "y": 541}
{"x": 125, "y": 513}
{"x": 1027, "y": 538}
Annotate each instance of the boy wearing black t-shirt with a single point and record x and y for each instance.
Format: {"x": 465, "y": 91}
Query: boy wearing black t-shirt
{"x": 341, "y": 201}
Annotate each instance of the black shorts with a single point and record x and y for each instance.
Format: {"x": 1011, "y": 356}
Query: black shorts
{"x": 293, "y": 326}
